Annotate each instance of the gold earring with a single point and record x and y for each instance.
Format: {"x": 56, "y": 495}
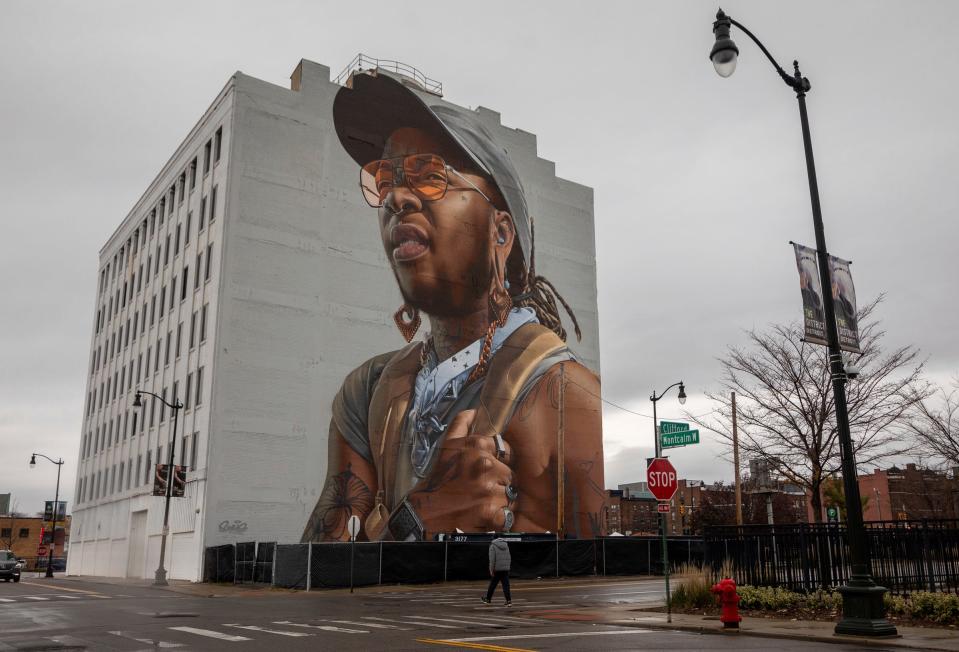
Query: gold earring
{"x": 408, "y": 320}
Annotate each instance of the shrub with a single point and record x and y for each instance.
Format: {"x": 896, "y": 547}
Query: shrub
{"x": 937, "y": 607}
{"x": 767, "y": 597}
{"x": 695, "y": 590}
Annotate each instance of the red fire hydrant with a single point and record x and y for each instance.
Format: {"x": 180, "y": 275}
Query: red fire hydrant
{"x": 725, "y": 592}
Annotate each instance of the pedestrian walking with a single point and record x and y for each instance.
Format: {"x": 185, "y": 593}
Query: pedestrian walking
{"x": 499, "y": 562}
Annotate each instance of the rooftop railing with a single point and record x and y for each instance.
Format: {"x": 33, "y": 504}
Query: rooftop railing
{"x": 363, "y": 62}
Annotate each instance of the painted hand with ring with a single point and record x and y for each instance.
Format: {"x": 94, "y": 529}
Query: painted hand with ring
{"x": 469, "y": 484}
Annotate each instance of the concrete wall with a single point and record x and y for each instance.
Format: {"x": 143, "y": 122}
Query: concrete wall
{"x": 306, "y": 295}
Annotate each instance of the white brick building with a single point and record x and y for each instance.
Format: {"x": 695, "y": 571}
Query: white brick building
{"x": 248, "y": 281}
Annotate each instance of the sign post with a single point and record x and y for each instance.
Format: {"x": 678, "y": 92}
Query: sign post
{"x": 662, "y": 483}
{"x": 354, "y": 527}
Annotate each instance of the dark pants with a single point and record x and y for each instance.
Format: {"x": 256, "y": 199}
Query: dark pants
{"x": 499, "y": 576}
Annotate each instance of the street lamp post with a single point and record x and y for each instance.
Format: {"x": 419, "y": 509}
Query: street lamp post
{"x": 863, "y": 611}
{"x": 56, "y": 508}
{"x": 159, "y": 578}
{"x": 657, "y": 444}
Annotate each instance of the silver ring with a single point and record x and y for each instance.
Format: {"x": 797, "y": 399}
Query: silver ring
{"x": 500, "y": 446}
{"x": 511, "y": 493}
{"x": 508, "y": 519}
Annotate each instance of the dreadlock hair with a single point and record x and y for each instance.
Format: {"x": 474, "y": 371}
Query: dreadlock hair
{"x": 541, "y": 295}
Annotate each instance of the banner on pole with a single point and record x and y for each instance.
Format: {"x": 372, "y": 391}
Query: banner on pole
{"x": 814, "y": 316}
{"x": 844, "y": 298}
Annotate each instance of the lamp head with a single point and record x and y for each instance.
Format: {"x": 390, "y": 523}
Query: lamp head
{"x": 724, "y": 53}
{"x": 33, "y": 461}
{"x": 136, "y": 400}
{"x": 682, "y": 394}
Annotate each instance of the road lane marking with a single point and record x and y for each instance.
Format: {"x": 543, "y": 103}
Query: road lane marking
{"x": 70, "y": 597}
{"x": 6, "y": 600}
{"x": 36, "y": 597}
{"x": 406, "y": 622}
{"x": 151, "y": 642}
{"x": 326, "y": 628}
{"x": 61, "y": 588}
{"x": 209, "y": 633}
{"x": 455, "y": 620}
{"x": 374, "y": 625}
{"x": 615, "y": 632}
{"x": 472, "y": 646}
{"x": 257, "y": 628}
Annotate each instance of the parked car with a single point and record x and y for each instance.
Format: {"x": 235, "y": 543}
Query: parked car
{"x": 9, "y": 566}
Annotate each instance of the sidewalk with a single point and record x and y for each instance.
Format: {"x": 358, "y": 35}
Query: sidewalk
{"x": 922, "y": 638}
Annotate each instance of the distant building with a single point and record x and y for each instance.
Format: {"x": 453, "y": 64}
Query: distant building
{"x": 910, "y": 493}
{"x": 23, "y": 535}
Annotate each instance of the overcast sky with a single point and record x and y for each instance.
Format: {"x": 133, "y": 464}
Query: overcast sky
{"x": 699, "y": 181}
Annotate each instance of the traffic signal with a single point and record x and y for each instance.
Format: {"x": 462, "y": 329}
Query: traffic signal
{"x": 179, "y": 481}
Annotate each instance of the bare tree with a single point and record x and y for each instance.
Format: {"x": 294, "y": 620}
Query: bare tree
{"x": 785, "y": 403}
{"x": 937, "y": 428}
{"x": 7, "y": 541}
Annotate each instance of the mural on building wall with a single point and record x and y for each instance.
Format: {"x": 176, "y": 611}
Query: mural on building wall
{"x": 487, "y": 422}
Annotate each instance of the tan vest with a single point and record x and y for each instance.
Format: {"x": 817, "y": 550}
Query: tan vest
{"x": 508, "y": 372}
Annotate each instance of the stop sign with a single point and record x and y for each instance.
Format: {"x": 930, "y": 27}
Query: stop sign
{"x": 661, "y": 478}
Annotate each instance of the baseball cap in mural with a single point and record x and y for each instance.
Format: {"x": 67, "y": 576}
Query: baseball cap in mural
{"x": 375, "y": 104}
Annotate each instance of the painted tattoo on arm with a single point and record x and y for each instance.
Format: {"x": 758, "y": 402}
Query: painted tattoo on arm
{"x": 344, "y": 495}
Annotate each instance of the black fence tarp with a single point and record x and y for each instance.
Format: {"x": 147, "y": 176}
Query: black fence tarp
{"x": 330, "y": 564}
{"x": 263, "y": 570}
{"x": 292, "y": 564}
{"x": 245, "y": 562}
{"x": 412, "y": 563}
{"x": 327, "y": 565}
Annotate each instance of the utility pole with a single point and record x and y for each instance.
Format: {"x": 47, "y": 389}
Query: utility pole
{"x": 739, "y": 487}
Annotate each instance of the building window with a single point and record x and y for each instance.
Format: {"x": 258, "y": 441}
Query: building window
{"x": 202, "y": 223}
{"x": 186, "y": 394}
{"x": 173, "y": 397}
{"x": 209, "y": 256}
{"x": 196, "y": 437}
{"x": 198, "y": 399}
{"x": 149, "y": 469}
{"x": 207, "y": 150}
{"x": 166, "y": 251}
{"x": 161, "y": 211}
{"x": 182, "y": 186}
{"x": 156, "y": 356}
{"x": 139, "y": 466}
{"x": 199, "y": 264}
{"x": 186, "y": 232}
{"x": 166, "y": 356}
{"x": 213, "y": 204}
{"x": 193, "y": 174}
{"x": 162, "y": 300}
{"x": 24, "y": 533}
{"x": 217, "y": 144}
{"x": 176, "y": 240}
{"x": 172, "y": 292}
{"x": 203, "y": 322}
{"x": 193, "y": 330}
{"x": 179, "y": 337}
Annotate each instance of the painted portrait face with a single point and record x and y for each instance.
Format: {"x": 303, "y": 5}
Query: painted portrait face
{"x": 440, "y": 250}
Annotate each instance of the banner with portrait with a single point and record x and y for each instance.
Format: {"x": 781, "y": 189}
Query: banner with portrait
{"x": 844, "y": 299}
{"x": 814, "y": 316}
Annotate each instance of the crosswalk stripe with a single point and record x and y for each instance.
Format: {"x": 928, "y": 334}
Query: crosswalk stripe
{"x": 257, "y": 628}
{"x": 406, "y": 622}
{"x": 326, "y": 628}
{"x": 615, "y": 632}
{"x": 149, "y": 641}
{"x": 455, "y": 620}
{"x": 209, "y": 633}
{"x": 6, "y": 600}
{"x": 374, "y": 625}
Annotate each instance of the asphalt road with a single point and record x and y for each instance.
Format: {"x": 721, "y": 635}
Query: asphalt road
{"x": 83, "y": 614}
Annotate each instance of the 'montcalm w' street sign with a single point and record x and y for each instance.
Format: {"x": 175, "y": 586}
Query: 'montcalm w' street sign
{"x": 675, "y": 433}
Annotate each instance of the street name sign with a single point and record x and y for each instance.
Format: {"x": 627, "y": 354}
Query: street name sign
{"x": 674, "y": 439}
{"x": 662, "y": 508}
{"x": 661, "y": 478}
{"x": 666, "y": 427}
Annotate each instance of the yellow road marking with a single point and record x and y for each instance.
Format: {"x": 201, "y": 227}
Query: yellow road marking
{"x": 60, "y": 588}
{"x": 473, "y": 646}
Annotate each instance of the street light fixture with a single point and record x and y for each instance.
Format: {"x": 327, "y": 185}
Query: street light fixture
{"x": 862, "y": 600}
{"x": 56, "y": 508}
{"x": 657, "y": 445}
{"x": 159, "y": 578}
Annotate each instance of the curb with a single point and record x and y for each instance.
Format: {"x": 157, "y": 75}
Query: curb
{"x": 894, "y": 641}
